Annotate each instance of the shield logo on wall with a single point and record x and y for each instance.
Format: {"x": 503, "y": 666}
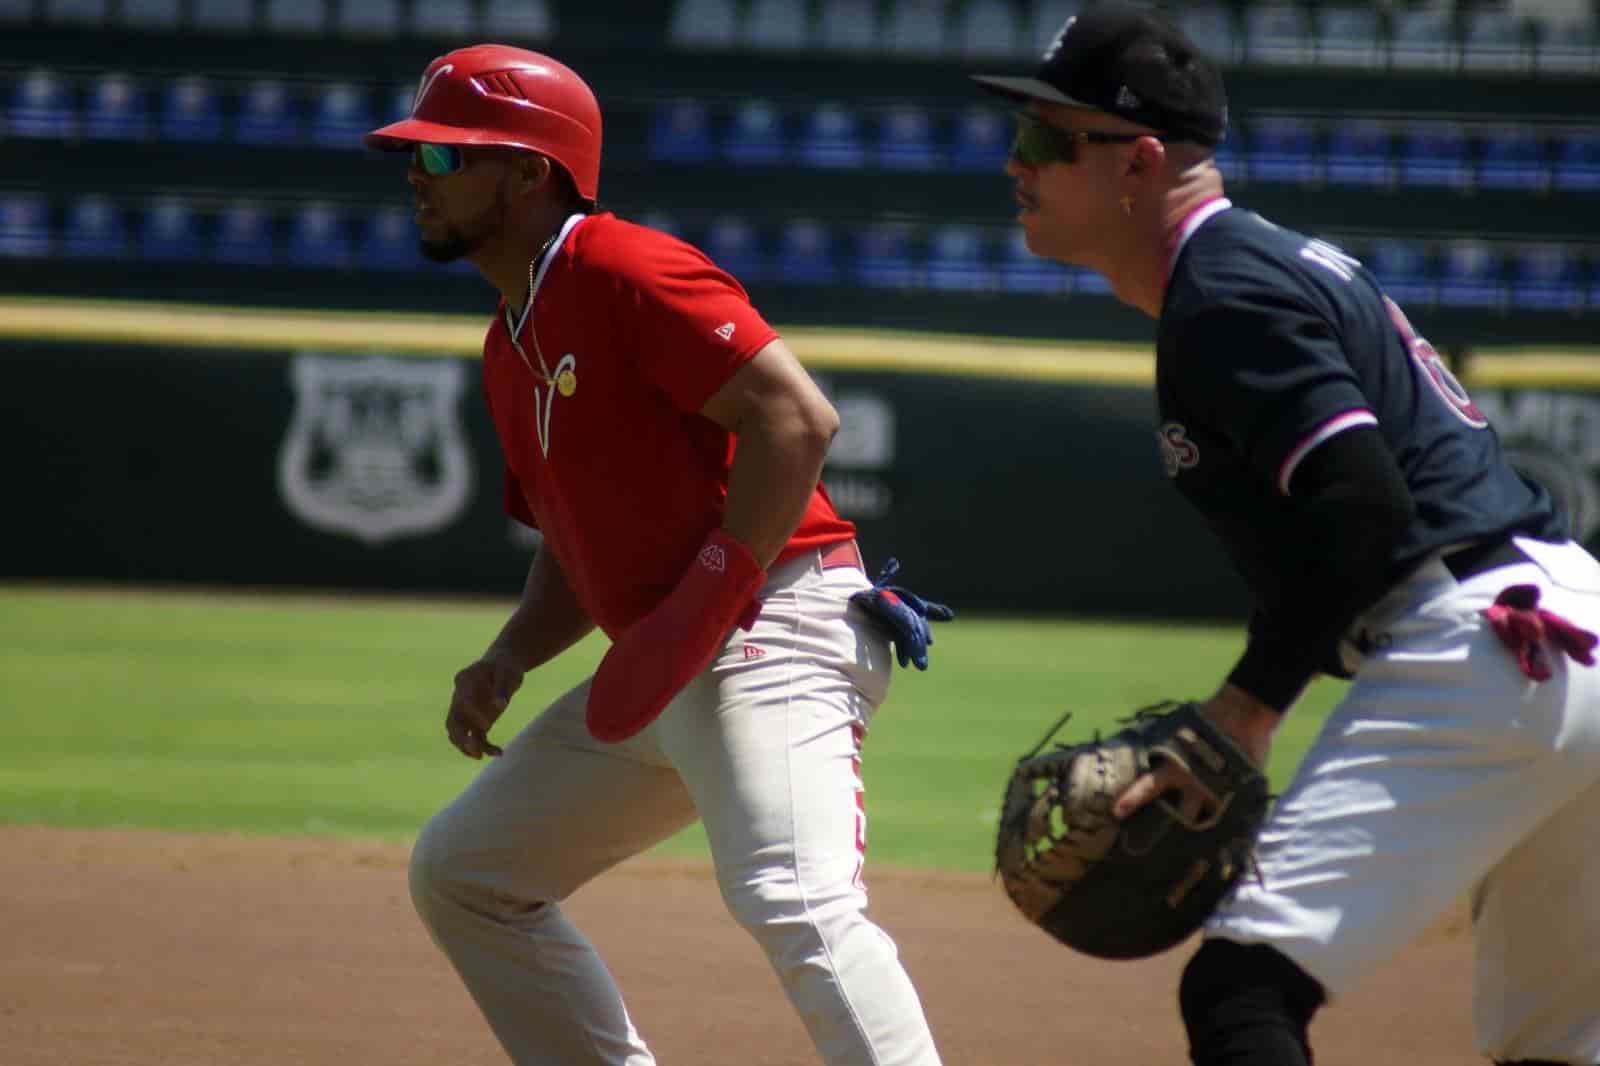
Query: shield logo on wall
{"x": 375, "y": 448}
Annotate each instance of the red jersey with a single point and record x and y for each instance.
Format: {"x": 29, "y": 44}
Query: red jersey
{"x": 595, "y": 394}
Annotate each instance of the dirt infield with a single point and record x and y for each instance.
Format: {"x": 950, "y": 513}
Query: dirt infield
{"x": 143, "y": 948}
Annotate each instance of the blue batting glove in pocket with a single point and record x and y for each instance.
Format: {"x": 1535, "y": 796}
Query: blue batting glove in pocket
{"x": 902, "y": 615}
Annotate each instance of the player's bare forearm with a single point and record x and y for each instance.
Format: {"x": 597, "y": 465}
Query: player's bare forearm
{"x": 775, "y": 471}
{"x": 1246, "y": 719}
{"x": 547, "y": 621}
{"x": 784, "y": 426}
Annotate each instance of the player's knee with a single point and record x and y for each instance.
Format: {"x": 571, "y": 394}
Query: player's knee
{"x": 1247, "y": 1004}
{"x": 428, "y": 874}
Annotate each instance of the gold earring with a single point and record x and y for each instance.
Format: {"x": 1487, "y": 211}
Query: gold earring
{"x": 1127, "y": 206}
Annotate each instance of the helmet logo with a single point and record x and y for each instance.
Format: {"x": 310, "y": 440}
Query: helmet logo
{"x": 427, "y": 83}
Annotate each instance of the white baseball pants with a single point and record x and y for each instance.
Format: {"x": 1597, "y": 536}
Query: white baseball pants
{"x": 764, "y": 748}
{"x": 1444, "y": 770}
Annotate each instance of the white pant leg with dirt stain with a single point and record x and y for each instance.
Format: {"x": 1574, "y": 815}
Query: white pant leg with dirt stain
{"x": 1445, "y": 771}
{"x": 764, "y": 748}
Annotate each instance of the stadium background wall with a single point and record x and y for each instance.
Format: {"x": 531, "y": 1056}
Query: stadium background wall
{"x": 173, "y": 445}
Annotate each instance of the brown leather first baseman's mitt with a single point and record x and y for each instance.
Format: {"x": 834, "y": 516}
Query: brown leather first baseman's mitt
{"x": 1128, "y": 889}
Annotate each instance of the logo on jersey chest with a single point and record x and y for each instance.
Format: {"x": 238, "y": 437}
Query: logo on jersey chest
{"x": 563, "y": 380}
{"x": 1178, "y": 452}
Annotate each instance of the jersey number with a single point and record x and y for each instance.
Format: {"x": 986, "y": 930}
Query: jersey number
{"x": 1434, "y": 369}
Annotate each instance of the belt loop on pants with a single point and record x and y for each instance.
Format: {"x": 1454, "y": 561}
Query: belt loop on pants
{"x": 842, "y": 553}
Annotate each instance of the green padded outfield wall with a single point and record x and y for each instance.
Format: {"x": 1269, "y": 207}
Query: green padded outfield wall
{"x": 1004, "y": 478}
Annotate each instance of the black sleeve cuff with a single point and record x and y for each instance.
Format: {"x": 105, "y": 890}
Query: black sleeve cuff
{"x": 1270, "y": 676}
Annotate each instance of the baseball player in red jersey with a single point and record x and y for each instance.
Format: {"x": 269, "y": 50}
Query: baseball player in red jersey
{"x": 668, "y": 446}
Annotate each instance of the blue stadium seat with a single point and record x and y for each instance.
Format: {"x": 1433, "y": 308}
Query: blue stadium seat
{"x": 369, "y": 18}
{"x": 1089, "y": 282}
{"x": 398, "y": 103}
{"x": 389, "y": 241}
{"x": 1349, "y": 37}
{"x": 831, "y": 138}
{"x": 1568, "y": 46}
{"x": 1435, "y": 154}
{"x": 42, "y": 107}
{"x": 775, "y": 26}
{"x": 94, "y": 230}
{"x": 244, "y": 236}
{"x": 885, "y": 257}
{"x": 805, "y": 255}
{"x": 24, "y": 226}
{"x": 76, "y": 12}
{"x": 755, "y": 137}
{"x": 518, "y": 21}
{"x": 1211, "y": 27}
{"x": 990, "y": 29}
{"x": 1402, "y": 268}
{"x": 455, "y": 19}
{"x": 115, "y": 110}
{"x": 1546, "y": 277}
{"x": 191, "y": 111}
{"x": 1231, "y": 157}
{"x": 1577, "y": 162}
{"x": 16, "y": 11}
{"x": 223, "y": 16}
{"x": 703, "y": 24}
{"x": 1278, "y": 34}
{"x": 171, "y": 233}
{"x": 916, "y": 27}
{"x": 1512, "y": 157}
{"x": 341, "y": 115}
{"x": 958, "y": 260}
{"x": 906, "y": 140}
{"x": 660, "y": 220}
{"x": 1022, "y": 271}
{"x": 1423, "y": 38}
{"x": 733, "y": 244}
{"x": 317, "y": 238}
{"x": 982, "y": 140}
{"x": 1495, "y": 39}
{"x": 267, "y": 115}
{"x": 296, "y": 16}
{"x": 1359, "y": 153}
{"x": 150, "y": 14}
{"x": 1471, "y": 275}
{"x": 1283, "y": 148}
{"x": 847, "y": 26}
{"x": 680, "y": 132}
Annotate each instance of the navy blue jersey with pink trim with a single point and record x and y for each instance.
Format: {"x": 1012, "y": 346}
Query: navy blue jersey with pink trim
{"x": 1270, "y": 343}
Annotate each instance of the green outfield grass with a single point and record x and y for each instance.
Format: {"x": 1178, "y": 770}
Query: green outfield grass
{"x": 277, "y": 714}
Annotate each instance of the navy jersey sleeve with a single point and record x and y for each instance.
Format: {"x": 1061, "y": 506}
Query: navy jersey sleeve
{"x": 1266, "y": 372}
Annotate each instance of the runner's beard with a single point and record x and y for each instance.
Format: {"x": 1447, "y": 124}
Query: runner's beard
{"x": 461, "y": 241}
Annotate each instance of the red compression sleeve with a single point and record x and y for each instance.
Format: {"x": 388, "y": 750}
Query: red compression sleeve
{"x": 663, "y": 651}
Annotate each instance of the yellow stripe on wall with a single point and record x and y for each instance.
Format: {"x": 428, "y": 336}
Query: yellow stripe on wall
{"x": 205, "y": 326}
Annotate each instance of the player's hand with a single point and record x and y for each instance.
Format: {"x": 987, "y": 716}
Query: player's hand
{"x": 482, "y": 693}
{"x": 1244, "y": 718}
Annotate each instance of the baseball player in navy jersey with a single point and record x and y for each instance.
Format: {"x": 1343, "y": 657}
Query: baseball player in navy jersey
{"x": 1368, "y": 506}
{"x": 668, "y": 445}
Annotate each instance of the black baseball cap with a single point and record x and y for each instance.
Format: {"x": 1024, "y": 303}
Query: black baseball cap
{"x": 1128, "y": 60}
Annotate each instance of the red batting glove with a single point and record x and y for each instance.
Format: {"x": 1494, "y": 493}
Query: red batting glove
{"x": 663, "y": 651}
{"x": 1525, "y": 628}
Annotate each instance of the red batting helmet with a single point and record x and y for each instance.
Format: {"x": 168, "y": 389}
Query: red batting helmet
{"x": 493, "y": 94}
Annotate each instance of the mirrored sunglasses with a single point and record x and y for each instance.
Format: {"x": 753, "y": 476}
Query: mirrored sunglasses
{"x": 1038, "y": 143}
{"x": 436, "y": 160}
